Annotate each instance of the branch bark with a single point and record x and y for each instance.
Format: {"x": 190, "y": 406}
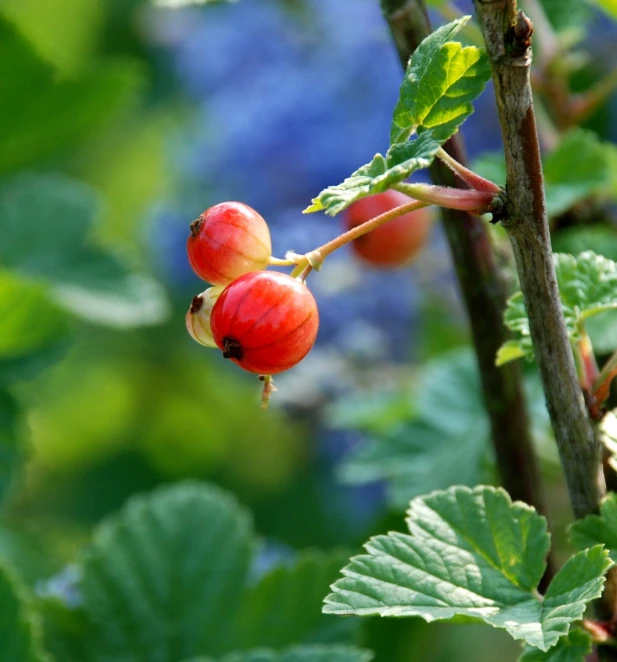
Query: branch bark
{"x": 484, "y": 297}
{"x": 507, "y": 35}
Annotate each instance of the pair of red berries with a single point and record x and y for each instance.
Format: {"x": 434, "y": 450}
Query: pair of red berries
{"x": 264, "y": 321}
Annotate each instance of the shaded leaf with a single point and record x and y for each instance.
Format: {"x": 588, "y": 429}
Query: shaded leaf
{"x": 164, "y": 578}
{"x": 285, "y": 606}
{"x": 578, "y": 168}
{"x": 10, "y": 447}
{"x": 299, "y": 654}
{"x": 574, "y": 647}
{"x": 598, "y": 529}
{"x": 473, "y": 554}
{"x": 85, "y": 279}
{"x": 20, "y": 639}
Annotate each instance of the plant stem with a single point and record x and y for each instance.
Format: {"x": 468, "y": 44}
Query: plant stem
{"x": 451, "y": 197}
{"x": 318, "y": 255}
{"x": 602, "y": 385}
{"x": 484, "y": 298}
{"x": 507, "y": 35}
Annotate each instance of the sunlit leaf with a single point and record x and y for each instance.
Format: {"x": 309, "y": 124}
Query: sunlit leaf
{"x": 441, "y": 81}
{"x": 473, "y": 554}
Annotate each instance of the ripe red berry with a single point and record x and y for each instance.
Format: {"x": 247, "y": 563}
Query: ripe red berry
{"x": 265, "y": 322}
{"x": 227, "y": 241}
{"x": 396, "y": 242}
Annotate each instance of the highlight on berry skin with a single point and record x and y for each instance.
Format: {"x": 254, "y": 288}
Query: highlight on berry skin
{"x": 395, "y": 243}
{"x": 228, "y": 240}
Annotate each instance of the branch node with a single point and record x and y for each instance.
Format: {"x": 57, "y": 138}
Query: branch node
{"x": 518, "y": 39}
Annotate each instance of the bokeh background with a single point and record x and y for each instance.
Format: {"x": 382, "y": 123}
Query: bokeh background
{"x": 129, "y": 120}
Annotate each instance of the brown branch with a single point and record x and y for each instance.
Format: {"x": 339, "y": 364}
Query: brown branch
{"x": 484, "y": 297}
{"x": 507, "y": 35}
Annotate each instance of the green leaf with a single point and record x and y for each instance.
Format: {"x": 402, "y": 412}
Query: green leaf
{"x": 20, "y": 639}
{"x": 10, "y": 448}
{"x": 601, "y": 239}
{"x": 55, "y": 246}
{"x": 29, "y": 321}
{"x": 574, "y": 647}
{"x": 441, "y": 81}
{"x": 567, "y": 14}
{"x": 598, "y": 529}
{"x": 381, "y": 174}
{"x": 472, "y": 554}
{"x": 578, "y": 168}
{"x": 588, "y": 287}
{"x": 285, "y": 606}
{"x": 42, "y": 112}
{"x": 299, "y": 654}
{"x": 163, "y": 579}
{"x": 429, "y": 451}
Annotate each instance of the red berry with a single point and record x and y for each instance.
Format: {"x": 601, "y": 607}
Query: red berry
{"x": 227, "y": 241}
{"x": 396, "y": 242}
{"x": 265, "y": 322}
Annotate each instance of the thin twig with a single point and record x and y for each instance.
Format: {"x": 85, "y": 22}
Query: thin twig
{"x": 484, "y": 297}
{"x": 507, "y": 35}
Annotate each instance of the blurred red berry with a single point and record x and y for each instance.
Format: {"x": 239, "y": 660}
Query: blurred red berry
{"x": 265, "y": 322}
{"x": 227, "y": 241}
{"x": 396, "y": 242}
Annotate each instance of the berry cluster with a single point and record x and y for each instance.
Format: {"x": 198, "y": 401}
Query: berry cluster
{"x": 264, "y": 321}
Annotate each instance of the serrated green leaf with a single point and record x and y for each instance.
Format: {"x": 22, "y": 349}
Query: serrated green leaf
{"x": 381, "y": 174}
{"x": 587, "y": 286}
{"x": 598, "y": 529}
{"x": 578, "y": 168}
{"x": 473, "y": 554}
{"x": 574, "y": 647}
{"x": 163, "y": 579}
{"x": 84, "y": 279}
{"x": 285, "y": 606}
{"x": 441, "y": 81}
{"x": 299, "y": 654}
{"x": 19, "y": 627}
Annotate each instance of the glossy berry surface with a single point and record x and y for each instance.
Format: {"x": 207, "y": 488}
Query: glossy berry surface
{"x": 227, "y": 241}
{"x": 396, "y": 242}
{"x": 265, "y": 322}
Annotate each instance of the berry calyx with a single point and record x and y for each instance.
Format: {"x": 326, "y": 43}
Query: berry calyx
{"x": 394, "y": 243}
{"x": 228, "y": 241}
{"x": 198, "y": 316}
{"x": 265, "y": 322}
